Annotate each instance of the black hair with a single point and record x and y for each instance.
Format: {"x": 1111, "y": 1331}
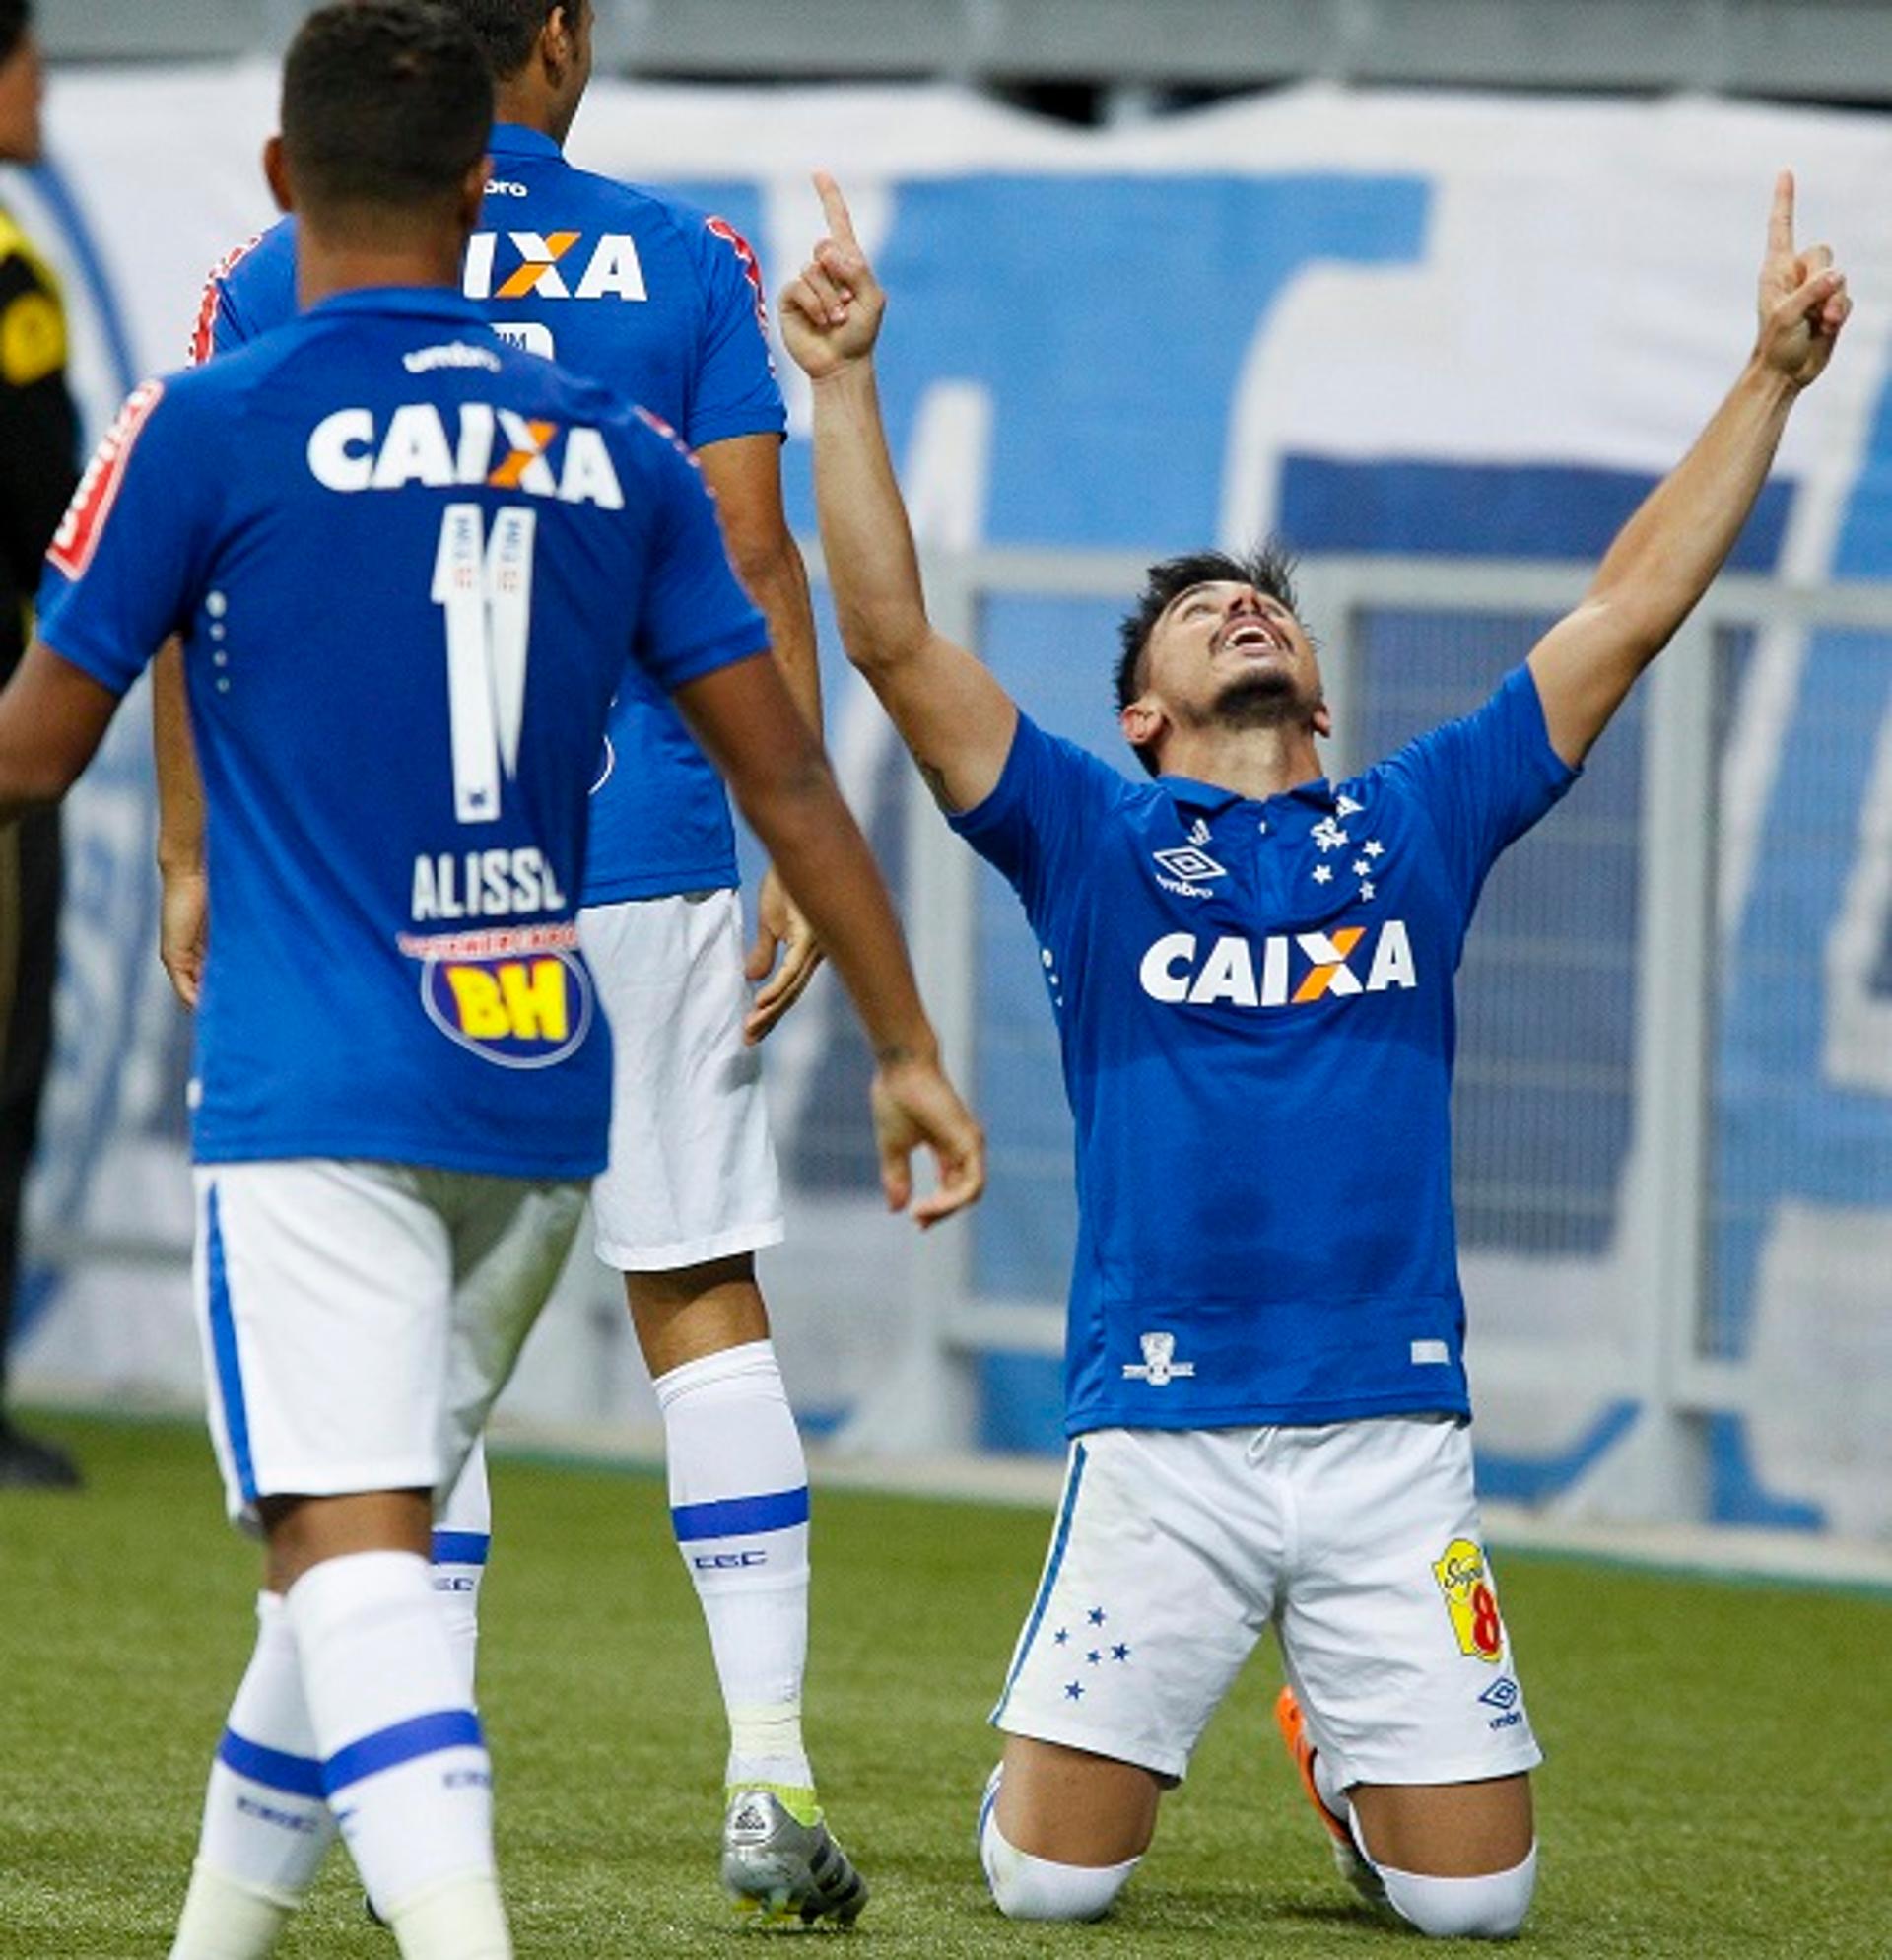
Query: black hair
{"x": 384, "y": 102}
{"x": 1268, "y": 568}
{"x": 16, "y": 17}
{"x": 508, "y": 29}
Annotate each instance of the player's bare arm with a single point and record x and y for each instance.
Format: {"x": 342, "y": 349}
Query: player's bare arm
{"x": 745, "y": 473}
{"x": 1667, "y": 554}
{"x": 184, "y": 920}
{"x": 949, "y": 711}
{"x": 52, "y": 719}
{"x": 750, "y": 727}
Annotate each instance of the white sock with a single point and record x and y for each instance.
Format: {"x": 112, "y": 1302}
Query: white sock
{"x": 403, "y": 1761}
{"x": 1025, "y": 1887}
{"x": 225, "y": 1920}
{"x": 462, "y": 1537}
{"x": 1491, "y": 1907}
{"x": 266, "y": 1825}
{"x": 739, "y": 1505}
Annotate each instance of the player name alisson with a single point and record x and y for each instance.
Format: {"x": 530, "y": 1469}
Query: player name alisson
{"x": 498, "y": 447}
{"x": 484, "y": 884}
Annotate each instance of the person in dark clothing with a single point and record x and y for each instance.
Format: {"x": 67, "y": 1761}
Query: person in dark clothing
{"x": 39, "y": 442}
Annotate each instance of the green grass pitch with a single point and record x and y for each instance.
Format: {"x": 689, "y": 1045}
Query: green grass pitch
{"x": 1720, "y": 1782}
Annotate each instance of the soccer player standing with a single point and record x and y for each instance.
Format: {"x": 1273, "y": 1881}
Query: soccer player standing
{"x": 408, "y": 564}
{"x": 39, "y": 460}
{"x": 1251, "y": 972}
{"x": 663, "y": 304}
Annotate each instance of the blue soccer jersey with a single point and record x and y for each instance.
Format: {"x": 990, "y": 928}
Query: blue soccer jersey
{"x": 663, "y": 304}
{"x": 1254, "y": 1008}
{"x": 409, "y": 564}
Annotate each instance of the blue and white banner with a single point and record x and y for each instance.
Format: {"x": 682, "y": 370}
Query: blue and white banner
{"x": 1376, "y": 323}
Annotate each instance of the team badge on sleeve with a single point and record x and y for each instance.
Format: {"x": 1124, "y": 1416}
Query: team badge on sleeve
{"x": 1470, "y": 1602}
{"x": 77, "y": 537}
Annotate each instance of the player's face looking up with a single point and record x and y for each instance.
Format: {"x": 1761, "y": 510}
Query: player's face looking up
{"x": 1221, "y": 653}
{"x": 22, "y": 86}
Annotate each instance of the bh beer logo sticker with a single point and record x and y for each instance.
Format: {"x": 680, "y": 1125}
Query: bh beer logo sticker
{"x": 1470, "y": 1602}
{"x": 528, "y": 1012}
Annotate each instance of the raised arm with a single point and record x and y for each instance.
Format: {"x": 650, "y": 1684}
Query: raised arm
{"x": 1668, "y": 553}
{"x": 755, "y": 734}
{"x": 949, "y": 711}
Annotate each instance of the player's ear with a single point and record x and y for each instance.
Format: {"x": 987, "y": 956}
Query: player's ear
{"x": 277, "y": 174}
{"x": 1142, "y": 721}
{"x": 1323, "y": 719}
{"x": 473, "y": 195}
{"x": 559, "y": 41}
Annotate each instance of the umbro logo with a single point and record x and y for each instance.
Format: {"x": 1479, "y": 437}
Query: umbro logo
{"x": 1187, "y": 864}
{"x": 1502, "y": 1694}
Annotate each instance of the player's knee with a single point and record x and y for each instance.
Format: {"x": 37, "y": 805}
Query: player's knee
{"x": 1025, "y": 1887}
{"x": 1491, "y": 1907}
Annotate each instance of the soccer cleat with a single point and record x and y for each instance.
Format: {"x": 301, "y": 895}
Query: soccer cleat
{"x": 780, "y": 1868}
{"x": 1347, "y": 1861}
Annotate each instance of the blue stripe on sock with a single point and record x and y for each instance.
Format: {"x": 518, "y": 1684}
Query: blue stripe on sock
{"x": 388, "y": 1748}
{"x": 299, "y": 1776}
{"x": 1051, "y": 1568}
{"x": 739, "y": 1517}
{"x": 461, "y": 1547}
{"x": 223, "y": 1346}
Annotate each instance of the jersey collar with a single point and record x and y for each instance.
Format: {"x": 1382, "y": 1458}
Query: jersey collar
{"x": 514, "y": 139}
{"x": 1211, "y": 798}
{"x": 407, "y": 301}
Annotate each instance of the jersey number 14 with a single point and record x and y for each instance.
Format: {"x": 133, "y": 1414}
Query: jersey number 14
{"x": 485, "y": 586}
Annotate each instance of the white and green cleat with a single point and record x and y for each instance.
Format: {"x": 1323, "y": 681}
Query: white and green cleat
{"x": 781, "y": 1865}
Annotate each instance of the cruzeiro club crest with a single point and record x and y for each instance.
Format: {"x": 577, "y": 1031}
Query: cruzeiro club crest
{"x": 1159, "y": 1366}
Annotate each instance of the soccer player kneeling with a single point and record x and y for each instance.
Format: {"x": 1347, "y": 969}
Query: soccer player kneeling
{"x": 409, "y": 565}
{"x": 1251, "y": 972}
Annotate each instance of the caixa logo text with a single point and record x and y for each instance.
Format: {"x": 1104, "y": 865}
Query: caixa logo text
{"x": 523, "y": 1013}
{"x": 1286, "y": 970}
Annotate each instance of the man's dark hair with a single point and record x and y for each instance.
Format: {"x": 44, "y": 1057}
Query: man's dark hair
{"x": 16, "y": 17}
{"x": 508, "y": 29}
{"x": 1268, "y": 568}
{"x": 384, "y": 102}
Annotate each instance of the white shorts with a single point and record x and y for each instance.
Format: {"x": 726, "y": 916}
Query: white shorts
{"x": 693, "y": 1172}
{"x": 358, "y": 1319}
{"x": 1359, "y": 1542}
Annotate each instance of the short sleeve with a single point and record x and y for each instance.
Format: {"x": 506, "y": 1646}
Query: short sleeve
{"x": 1485, "y": 779}
{"x": 248, "y": 290}
{"x": 694, "y": 617}
{"x": 124, "y": 566}
{"x": 735, "y": 391}
{"x": 1038, "y": 828}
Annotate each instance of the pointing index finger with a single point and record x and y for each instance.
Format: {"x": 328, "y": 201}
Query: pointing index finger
{"x": 835, "y": 208}
{"x": 1780, "y": 224}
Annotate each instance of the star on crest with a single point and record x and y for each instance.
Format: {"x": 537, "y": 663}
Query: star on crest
{"x": 1323, "y": 874}
{"x": 1366, "y": 890}
{"x": 1373, "y": 846}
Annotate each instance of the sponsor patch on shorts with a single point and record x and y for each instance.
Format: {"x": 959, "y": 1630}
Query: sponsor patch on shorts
{"x": 1470, "y": 1602}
